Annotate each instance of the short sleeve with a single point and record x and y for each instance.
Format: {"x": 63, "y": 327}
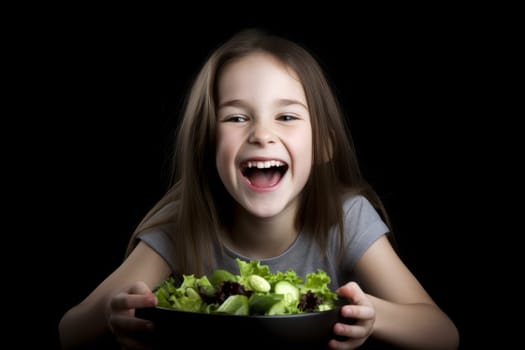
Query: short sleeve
{"x": 362, "y": 227}
{"x": 158, "y": 240}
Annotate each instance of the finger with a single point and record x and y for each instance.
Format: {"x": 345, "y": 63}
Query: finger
{"x": 124, "y": 301}
{"x": 351, "y": 331}
{"x": 347, "y": 344}
{"x": 352, "y": 291}
{"x": 139, "y": 288}
{"x": 126, "y": 325}
{"x": 358, "y": 312}
{"x": 349, "y": 336}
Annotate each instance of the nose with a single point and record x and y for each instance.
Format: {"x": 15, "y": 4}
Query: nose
{"x": 261, "y": 134}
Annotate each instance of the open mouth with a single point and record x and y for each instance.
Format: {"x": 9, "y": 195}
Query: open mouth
{"x": 263, "y": 174}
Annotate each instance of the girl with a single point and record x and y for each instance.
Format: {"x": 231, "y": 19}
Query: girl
{"x": 265, "y": 170}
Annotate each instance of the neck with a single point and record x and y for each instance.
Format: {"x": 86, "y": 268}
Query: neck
{"x": 260, "y": 238}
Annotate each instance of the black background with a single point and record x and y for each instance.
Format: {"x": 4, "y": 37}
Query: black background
{"x": 108, "y": 91}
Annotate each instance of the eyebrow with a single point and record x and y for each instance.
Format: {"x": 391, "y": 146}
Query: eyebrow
{"x": 282, "y": 102}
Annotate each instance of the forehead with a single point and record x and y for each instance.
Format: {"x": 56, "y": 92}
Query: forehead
{"x": 258, "y": 75}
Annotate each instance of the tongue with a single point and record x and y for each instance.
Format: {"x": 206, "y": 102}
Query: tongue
{"x": 264, "y": 178}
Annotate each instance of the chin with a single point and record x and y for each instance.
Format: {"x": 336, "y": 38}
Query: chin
{"x": 266, "y": 211}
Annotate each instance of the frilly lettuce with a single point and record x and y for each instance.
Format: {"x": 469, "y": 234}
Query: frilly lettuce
{"x": 252, "y": 292}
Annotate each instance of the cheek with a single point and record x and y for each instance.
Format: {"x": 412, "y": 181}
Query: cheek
{"x": 225, "y": 156}
{"x": 305, "y": 145}
{"x": 303, "y": 154}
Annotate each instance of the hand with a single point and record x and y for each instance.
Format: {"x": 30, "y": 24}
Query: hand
{"x": 129, "y": 330}
{"x": 361, "y": 310}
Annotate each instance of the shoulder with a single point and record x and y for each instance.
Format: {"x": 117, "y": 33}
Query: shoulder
{"x": 362, "y": 226}
{"x": 360, "y": 218}
{"x": 353, "y": 203}
{"x": 159, "y": 239}
{"x": 159, "y": 235}
{"x": 143, "y": 264}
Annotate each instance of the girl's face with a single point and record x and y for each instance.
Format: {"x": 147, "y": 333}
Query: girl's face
{"x": 264, "y": 135}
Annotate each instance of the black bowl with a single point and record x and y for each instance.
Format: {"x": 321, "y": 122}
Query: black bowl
{"x": 224, "y": 331}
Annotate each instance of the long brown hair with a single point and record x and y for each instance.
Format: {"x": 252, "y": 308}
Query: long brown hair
{"x": 197, "y": 205}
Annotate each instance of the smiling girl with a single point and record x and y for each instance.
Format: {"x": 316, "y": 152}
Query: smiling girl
{"x": 266, "y": 170}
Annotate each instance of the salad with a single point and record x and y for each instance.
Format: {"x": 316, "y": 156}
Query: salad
{"x": 255, "y": 291}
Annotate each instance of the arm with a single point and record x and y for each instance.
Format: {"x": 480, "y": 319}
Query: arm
{"x": 114, "y": 300}
{"x": 405, "y": 315}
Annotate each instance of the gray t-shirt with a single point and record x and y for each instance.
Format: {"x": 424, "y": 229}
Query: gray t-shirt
{"x": 362, "y": 227}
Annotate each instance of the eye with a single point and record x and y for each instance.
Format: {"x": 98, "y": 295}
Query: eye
{"x": 237, "y": 118}
{"x": 287, "y": 117}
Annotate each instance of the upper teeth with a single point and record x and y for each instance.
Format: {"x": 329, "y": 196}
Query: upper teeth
{"x": 265, "y": 164}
